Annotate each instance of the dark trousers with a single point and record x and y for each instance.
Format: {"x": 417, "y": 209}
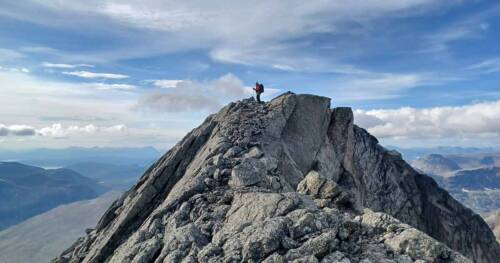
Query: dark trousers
{"x": 258, "y": 96}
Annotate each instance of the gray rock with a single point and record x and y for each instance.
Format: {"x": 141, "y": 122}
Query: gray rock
{"x": 249, "y": 172}
{"x": 284, "y": 181}
{"x": 254, "y": 152}
{"x": 318, "y": 187}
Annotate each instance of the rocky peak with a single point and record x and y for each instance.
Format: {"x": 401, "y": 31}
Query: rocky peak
{"x": 291, "y": 180}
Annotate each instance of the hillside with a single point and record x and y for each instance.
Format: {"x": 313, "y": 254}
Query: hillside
{"x": 476, "y": 188}
{"x": 113, "y": 176}
{"x": 44, "y": 236}
{"x": 436, "y": 164}
{"x": 26, "y": 190}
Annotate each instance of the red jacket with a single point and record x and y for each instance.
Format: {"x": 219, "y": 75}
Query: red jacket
{"x": 257, "y": 88}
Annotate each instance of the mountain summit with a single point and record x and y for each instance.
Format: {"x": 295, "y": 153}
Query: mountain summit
{"x": 291, "y": 180}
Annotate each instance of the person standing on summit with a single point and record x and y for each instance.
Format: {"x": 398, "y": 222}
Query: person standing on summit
{"x": 259, "y": 88}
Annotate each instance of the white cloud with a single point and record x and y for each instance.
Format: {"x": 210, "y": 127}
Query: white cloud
{"x": 94, "y": 75}
{"x": 21, "y": 69}
{"x": 170, "y": 102}
{"x": 166, "y": 83}
{"x": 9, "y": 55}
{"x": 59, "y": 65}
{"x": 377, "y": 86}
{"x": 469, "y": 121}
{"x": 469, "y": 27}
{"x": 58, "y": 130}
{"x": 232, "y": 31}
{"x": 116, "y": 86}
{"x": 41, "y": 103}
{"x": 187, "y": 95}
{"x": 16, "y": 130}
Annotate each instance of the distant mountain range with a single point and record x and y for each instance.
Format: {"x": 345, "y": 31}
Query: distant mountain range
{"x": 27, "y": 190}
{"x": 436, "y": 164}
{"x": 68, "y": 156}
{"x": 473, "y": 179}
{"x": 117, "y": 177}
{"x": 43, "y": 237}
{"x": 410, "y": 154}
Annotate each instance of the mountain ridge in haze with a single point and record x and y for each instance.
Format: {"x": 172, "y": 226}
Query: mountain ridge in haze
{"x": 27, "y": 190}
{"x": 44, "y": 236}
{"x": 68, "y": 156}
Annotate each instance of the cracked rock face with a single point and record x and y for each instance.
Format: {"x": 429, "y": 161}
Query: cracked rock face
{"x": 290, "y": 180}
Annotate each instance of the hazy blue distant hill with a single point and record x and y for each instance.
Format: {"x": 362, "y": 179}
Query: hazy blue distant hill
{"x": 435, "y": 164}
{"x": 411, "y": 154}
{"x": 119, "y": 177}
{"x": 477, "y": 179}
{"x": 26, "y": 190}
{"x": 68, "y": 156}
{"x": 44, "y": 236}
{"x": 471, "y": 178}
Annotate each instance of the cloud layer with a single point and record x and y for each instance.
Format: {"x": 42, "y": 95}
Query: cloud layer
{"x": 57, "y": 130}
{"x": 16, "y": 130}
{"x": 480, "y": 120}
{"x": 187, "y": 95}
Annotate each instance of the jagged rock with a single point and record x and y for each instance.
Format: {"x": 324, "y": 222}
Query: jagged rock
{"x": 284, "y": 181}
{"x": 318, "y": 187}
{"x": 249, "y": 172}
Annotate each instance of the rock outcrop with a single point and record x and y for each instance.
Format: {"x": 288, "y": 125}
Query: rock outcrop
{"x": 290, "y": 180}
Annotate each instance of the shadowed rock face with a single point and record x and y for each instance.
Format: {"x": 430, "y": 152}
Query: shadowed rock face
{"x": 290, "y": 180}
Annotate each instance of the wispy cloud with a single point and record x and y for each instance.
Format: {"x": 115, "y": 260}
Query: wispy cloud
{"x": 116, "y": 86}
{"x": 64, "y": 66}
{"x": 469, "y": 27}
{"x": 58, "y": 130}
{"x": 380, "y": 85}
{"x": 190, "y": 95}
{"x": 231, "y": 32}
{"x": 14, "y": 69}
{"x": 166, "y": 83}
{"x": 95, "y": 75}
{"x": 9, "y": 55}
{"x": 487, "y": 66}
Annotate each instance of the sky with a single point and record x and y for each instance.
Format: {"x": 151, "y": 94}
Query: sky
{"x": 144, "y": 73}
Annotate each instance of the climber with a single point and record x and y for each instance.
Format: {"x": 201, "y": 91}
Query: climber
{"x": 259, "y": 88}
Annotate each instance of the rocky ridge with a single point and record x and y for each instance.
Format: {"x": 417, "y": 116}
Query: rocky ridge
{"x": 290, "y": 180}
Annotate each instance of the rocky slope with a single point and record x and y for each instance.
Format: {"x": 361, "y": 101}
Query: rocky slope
{"x": 290, "y": 180}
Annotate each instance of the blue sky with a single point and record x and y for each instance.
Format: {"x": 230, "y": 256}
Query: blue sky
{"x": 130, "y": 73}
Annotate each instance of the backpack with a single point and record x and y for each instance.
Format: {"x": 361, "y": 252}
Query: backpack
{"x": 261, "y": 88}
